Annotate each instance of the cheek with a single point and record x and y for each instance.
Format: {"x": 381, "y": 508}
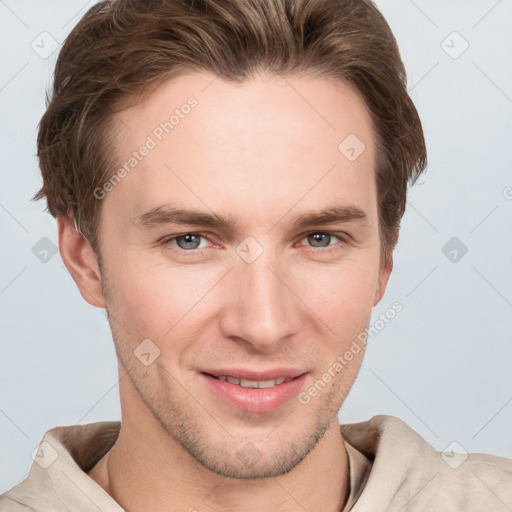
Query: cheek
{"x": 342, "y": 297}
{"x": 159, "y": 301}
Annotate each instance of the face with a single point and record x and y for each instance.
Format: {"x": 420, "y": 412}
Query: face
{"x": 243, "y": 243}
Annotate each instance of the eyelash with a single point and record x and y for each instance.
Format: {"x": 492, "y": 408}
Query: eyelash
{"x": 167, "y": 241}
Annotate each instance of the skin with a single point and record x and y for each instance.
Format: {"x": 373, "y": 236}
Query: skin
{"x": 262, "y": 153}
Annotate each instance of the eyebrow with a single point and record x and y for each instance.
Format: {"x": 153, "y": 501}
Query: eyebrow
{"x": 168, "y": 214}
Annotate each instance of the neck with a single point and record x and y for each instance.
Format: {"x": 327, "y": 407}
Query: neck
{"x": 148, "y": 470}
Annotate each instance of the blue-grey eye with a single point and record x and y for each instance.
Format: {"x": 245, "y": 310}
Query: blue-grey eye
{"x": 321, "y": 238}
{"x": 190, "y": 241}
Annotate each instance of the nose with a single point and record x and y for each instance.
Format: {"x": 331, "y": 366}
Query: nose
{"x": 261, "y": 310}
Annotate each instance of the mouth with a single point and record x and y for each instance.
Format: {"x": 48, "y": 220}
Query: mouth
{"x": 255, "y": 392}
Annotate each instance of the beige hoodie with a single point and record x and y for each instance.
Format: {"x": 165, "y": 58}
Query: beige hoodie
{"x": 392, "y": 468}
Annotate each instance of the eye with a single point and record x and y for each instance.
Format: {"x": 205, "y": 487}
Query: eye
{"x": 187, "y": 242}
{"x": 192, "y": 242}
{"x": 321, "y": 239}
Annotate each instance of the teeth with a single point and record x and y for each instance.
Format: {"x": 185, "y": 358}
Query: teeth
{"x": 246, "y": 383}
{"x": 268, "y": 383}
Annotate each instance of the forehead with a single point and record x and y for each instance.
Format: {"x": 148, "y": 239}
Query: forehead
{"x": 265, "y": 101}
{"x": 270, "y": 142}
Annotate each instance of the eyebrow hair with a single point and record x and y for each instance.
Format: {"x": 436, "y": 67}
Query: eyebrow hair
{"x": 168, "y": 214}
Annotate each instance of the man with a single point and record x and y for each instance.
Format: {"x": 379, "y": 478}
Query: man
{"x": 228, "y": 179}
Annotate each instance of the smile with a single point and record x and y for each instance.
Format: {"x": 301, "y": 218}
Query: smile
{"x": 254, "y": 393}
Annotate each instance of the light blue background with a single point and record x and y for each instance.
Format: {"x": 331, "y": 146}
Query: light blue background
{"x": 443, "y": 365}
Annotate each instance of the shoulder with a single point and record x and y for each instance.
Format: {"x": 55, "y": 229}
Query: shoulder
{"x": 7, "y": 504}
{"x": 58, "y": 479}
{"x": 407, "y": 472}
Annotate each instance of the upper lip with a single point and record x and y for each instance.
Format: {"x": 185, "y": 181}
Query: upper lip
{"x": 257, "y": 375}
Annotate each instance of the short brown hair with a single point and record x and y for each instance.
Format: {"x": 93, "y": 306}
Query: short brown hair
{"x": 122, "y": 47}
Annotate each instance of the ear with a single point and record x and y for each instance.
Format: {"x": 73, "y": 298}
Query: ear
{"x": 384, "y": 274}
{"x": 78, "y": 256}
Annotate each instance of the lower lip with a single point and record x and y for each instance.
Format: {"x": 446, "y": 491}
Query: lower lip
{"x": 255, "y": 400}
